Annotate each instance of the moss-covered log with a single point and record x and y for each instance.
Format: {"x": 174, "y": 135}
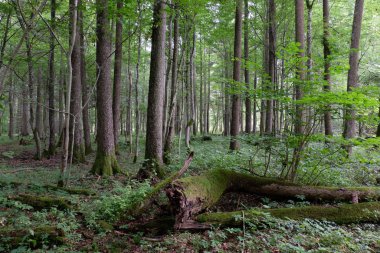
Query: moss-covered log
{"x": 33, "y": 238}
{"x": 75, "y": 191}
{"x": 192, "y": 195}
{"x": 340, "y": 214}
{"x": 43, "y": 202}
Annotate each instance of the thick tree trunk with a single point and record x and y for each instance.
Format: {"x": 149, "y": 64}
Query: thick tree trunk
{"x": 117, "y": 73}
{"x": 327, "y": 60}
{"x": 234, "y": 144}
{"x": 352, "y": 80}
{"x": 76, "y": 145}
{"x": 51, "y": 82}
{"x": 85, "y": 89}
{"x": 248, "y": 111}
{"x": 192, "y": 195}
{"x": 105, "y": 161}
{"x": 153, "y": 148}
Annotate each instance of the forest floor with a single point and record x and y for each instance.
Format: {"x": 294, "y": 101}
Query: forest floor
{"x": 21, "y": 174}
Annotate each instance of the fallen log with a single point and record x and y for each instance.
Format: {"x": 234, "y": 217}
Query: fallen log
{"x": 43, "y": 202}
{"x": 192, "y": 195}
{"x": 74, "y": 191}
{"x": 340, "y": 214}
{"x": 33, "y": 238}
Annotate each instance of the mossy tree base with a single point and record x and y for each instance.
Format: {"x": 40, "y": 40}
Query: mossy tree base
{"x": 340, "y": 214}
{"x": 105, "y": 165}
{"x": 192, "y": 195}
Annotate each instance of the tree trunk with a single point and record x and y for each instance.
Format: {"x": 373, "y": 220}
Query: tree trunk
{"x": 11, "y": 99}
{"x": 327, "y": 60}
{"x": 271, "y": 65}
{"x": 76, "y": 145}
{"x": 117, "y": 73}
{"x": 25, "y": 114}
{"x": 352, "y": 79}
{"x": 137, "y": 107}
{"x": 153, "y": 148}
{"x": 248, "y": 111}
{"x": 234, "y": 144}
{"x": 85, "y": 89}
{"x": 105, "y": 161}
{"x": 38, "y": 125}
{"x": 192, "y": 195}
{"x": 340, "y": 214}
{"x": 51, "y": 82}
{"x": 173, "y": 91}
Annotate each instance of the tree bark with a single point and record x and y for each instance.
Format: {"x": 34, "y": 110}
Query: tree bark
{"x": 352, "y": 79}
{"x": 234, "y": 144}
{"x": 105, "y": 162}
{"x": 76, "y": 145}
{"x": 173, "y": 92}
{"x": 248, "y": 111}
{"x": 51, "y": 82}
{"x": 271, "y": 66}
{"x": 153, "y": 147}
{"x": 11, "y": 103}
{"x": 85, "y": 89}
{"x": 327, "y": 64}
{"x": 137, "y": 107}
{"x": 117, "y": 73}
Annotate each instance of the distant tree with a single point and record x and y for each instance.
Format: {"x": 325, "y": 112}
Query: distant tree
{"x": 327, "y": 63}
{"x": 235, "y": 121}
{"x": 51, "y": 81}
{"x": 117, "y": 73}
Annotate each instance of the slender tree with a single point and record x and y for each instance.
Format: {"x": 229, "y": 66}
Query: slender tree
{"x": 352, "y": 80}
{"x": 248, "y": 111}
{"x": 51, "y": 81}
{"x": 105, "y": 161}
{"x": 327, "y": 64}
{"x": 85, "y": 89}
{"x": 235, "y": 121}
{"x": 76, "y": 144}
{"x": 173, "y": 92}
{"x": 117, "y": 73}
{"x": 270, "y": 65}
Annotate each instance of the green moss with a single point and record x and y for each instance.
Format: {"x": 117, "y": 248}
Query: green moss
{"x": 77, "y": 191}
{"x": 32, "y": 237}
{"x": 342, "y": 214}
{"x": 42, "y": 202}
{"x": 208, "y": 187}
{"x": 105, "y": 164}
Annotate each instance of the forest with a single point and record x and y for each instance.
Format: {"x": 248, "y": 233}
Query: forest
{"x": 189, "y": 126}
